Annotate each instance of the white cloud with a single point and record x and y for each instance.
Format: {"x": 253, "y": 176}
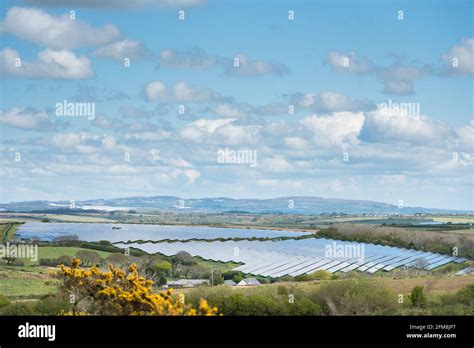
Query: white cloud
{"x": 395, "y": 125}
{"x": 27, "y": 120}
{"x": 466, "y": 137}
{"x": 50, "y": 64}
{"x": 297, "y": 143}
{"x": 200, "y": 129}
{"x": 328, "y": 101}
{"x": 337, "y": 129}
{"x": 191, "y": 174}
{"x": 349, "y": 63}
{"x": 58, "y": 32}
{"x": 104, "y": 122}
{"x": 398, "y": 78}
{"x": 69, "y": 140}
{"x": 239, "y": 65}
{"x": 231, "y": 110}
{"x": 278, "y": 164}
{"x": 179, "y": 92}
{"x": 459, "y": 59}
{"x": 252, "y": 67}
{"x": 122, "y": 49}
{"x": 221, "y": 132}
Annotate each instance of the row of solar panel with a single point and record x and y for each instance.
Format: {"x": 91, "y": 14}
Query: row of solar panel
{"x": 259, "y": 260}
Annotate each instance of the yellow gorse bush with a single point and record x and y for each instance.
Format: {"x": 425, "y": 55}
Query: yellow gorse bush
{"x": 118, "y": 292}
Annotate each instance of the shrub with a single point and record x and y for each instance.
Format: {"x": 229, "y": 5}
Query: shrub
{"x": 355, "y": 297}
{"x": 257, "y": 301}
{"x": 117, "y": 259}
{"x": 318, "y": 275}
{"x": 120, "y": 292}
{"x": 4, "y": 301}
{"x": 18, "y": 308}
{"x": 163, "y": 268}
{"x": 51, "y": 305}
{"x": 235, "y": 276}
{"x": 417, "y": 297}
{"x": 88, "y": 257}
{"x": 466, "y": 295}
{"x": 49, "y": 262}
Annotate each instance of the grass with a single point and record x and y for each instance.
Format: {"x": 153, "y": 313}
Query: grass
{"x": 454, "y": 219}
{"x": 21, "y": 282}
{"x": 431, "y": 285}
{"x": 218, "y": 266}
{"x": 47, "y": 252}
{"x": 55, "y": 252}
{"x": 32, "y": 280}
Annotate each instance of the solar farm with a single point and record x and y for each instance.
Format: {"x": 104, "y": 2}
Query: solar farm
{"x": 268, "y": 257}
{"x": 296, "y": 257}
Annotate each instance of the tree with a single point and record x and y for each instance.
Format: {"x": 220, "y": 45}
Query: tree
{"x": 88, "y": 257}
{"x": 117, "y": 259}
{"x": 120, "y": 292}
{"x": 163, "y": 268}
{"x": 417, "y": 297}
{"x": 65, "y": 259}
{"x": 235, "y": 276}
{"x": 161, "y": 281}
{"x": 183, "y": 258}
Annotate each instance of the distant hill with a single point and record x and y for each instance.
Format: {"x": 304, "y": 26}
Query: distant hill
{"x": 282, "y": 205}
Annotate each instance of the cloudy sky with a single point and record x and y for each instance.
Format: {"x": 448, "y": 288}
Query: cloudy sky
{"x": 310, "y": 87}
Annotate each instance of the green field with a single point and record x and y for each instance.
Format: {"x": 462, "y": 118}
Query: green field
{"x": 32, "y": 280}
{"x": 56, "y": 252}
{"x": 217, "y": 266}
{"x": 26, "y": 282}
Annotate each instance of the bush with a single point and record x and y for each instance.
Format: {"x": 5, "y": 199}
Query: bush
{"x": 49, "y": 262}
{"x": 257, "y": 301}
{"x": 4, "y": 301}
{"x": 318, "y": 275}
{"x": 120, "y": 292}
{"x": 51, "y": 305}
{"x": 417, "y": 297}
{"x": 117, "y": 259}
{"x": 62, "y": 260}
{"x": 88, "y": 257}
{"x": 18, "y": 308}
{"x": 355, "y": 297}
{"x": 235, "y": 276}
{"x": 163, "y": 268}
{"x": 464, "y": 297}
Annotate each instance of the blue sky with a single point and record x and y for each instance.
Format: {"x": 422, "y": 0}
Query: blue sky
{"x": 336, "y": 63}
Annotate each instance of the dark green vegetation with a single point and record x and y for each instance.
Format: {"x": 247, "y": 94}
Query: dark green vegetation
{"x": 52, "y": 304}
{"x": 337, "y": 297}
{"x": 434, "y": 241}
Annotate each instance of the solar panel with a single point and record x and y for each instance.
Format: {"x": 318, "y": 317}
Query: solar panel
{"x": 440, "y": 263}
{"x": 295, "y": 257}
{"x": 309, "y": 268}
